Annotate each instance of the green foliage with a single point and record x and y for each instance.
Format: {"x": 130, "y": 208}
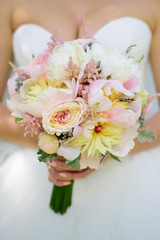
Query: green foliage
{"x": 43, "y": 156}
{"x": 33, "y": 56}
{"x": 142, "y": 120}
{"x": 74, "y": 163}
{"x": 99, "y": 64}
{"x": 146, "y": 135}
{"x": 103, "y": 156}
{"x": 17, "y": 119}
{"x": 130, "y": 48}
{"x": 139, "y": 61}
{"x": 115, "y": 157}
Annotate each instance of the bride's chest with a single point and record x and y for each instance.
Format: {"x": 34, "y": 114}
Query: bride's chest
{"x": 66, "y": 16}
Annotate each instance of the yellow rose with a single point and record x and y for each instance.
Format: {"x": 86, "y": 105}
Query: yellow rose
{"x": 63, "y": 116}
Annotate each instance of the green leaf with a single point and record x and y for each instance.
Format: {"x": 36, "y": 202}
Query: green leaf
{"x": 103, "y": 156}
{"x": 17, "y": 119}
{"x": 43, "y": 156}
{"x": 115, "y": 157}
{"x": 99, "y": 64}
{"x": 33, "y": 56}
{"x": 74, "y": 163}
{"x": 130, "y": 48}
{"x": 142, "y": 120}
{"x": 139, "y": 61}
{"x": 146, "y": 135}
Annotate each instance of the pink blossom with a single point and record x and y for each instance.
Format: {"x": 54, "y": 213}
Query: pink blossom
{"x": 91, "y": 73}
{"x": 56, "y": 40}
{"x": 32, "y": 124}
{"x": 72, "y": 70}
{"x": 41, "y": 61}
{"x": 86, "y": 33}
{"x": 97, "y": 89}
{"x": 125, "y": 117}
{"x": 131, "y": 84}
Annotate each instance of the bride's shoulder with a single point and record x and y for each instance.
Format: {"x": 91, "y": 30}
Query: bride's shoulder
{"x": 155, "y": 7}
{"x": 19, "y": 17}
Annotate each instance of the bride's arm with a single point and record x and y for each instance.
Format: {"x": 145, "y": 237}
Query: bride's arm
{"x": 153, "y": 122}
{"x": 9, "y": 130}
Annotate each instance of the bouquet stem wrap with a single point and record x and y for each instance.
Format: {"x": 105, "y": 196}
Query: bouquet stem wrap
{"x": 61, "y": 198}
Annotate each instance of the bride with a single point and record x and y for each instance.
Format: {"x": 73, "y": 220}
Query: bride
{"x": 119, "y": 201}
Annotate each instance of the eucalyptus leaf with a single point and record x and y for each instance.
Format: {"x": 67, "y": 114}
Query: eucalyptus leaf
{"x": 43, "y": 156}
{"x": 74, "y": 163}
{"x": 146, "y": 135}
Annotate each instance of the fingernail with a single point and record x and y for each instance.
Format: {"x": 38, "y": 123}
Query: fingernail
{"x": 66, "y": 183}
{"x": 54, "y": 164}
{"x": 63, "y": 175}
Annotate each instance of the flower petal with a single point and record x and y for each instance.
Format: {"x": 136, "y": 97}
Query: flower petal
{"x": 35, "y": 72}
{"x": 122, "y": 148}
{"x": 34, "y": 108}
{"x": 131, "y": 84}
{"x": 69, "y": 153}
{"x": 118, "y": 86}
{"x": 93, "y": 163}
{"x": 125, "y": 117}
{"x": 12, "y": 105}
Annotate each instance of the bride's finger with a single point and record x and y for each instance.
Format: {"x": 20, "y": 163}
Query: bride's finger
{"x": 57, "y": 182}
{"x": 60, "y": 165}
{"x": 66, "y": 175}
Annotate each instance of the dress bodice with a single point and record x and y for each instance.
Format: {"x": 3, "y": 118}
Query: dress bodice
{"x": 31, "y": 39}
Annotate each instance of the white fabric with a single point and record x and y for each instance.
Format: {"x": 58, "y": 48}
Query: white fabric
{"x": 121, "y": 201}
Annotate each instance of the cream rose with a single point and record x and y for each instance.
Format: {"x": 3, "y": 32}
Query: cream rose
{"x": 63, "y": 116}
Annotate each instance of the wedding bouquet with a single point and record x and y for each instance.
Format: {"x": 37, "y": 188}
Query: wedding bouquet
{"x": 84, "y": 100}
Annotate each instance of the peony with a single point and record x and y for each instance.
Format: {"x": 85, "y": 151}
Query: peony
{"x": 114, "y": 62}
{"x": 58, "y": 61}
{"x": 63, "y": 116}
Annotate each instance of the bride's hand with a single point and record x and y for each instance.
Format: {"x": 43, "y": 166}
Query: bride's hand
{"x": 60, "y": 174}
{"x": 12, "y": 132}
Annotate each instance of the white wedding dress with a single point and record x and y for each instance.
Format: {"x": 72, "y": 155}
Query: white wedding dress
{"x": 121, "y": 201}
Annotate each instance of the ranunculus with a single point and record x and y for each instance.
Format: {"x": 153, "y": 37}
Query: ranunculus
{"x": 63, "y": 116}
{"x": 48, "y": 143}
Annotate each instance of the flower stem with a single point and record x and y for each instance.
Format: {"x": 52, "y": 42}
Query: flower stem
{"x": 61, "y": 198}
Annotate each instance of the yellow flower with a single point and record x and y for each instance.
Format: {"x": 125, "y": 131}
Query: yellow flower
{"x": 31, "y": 88}
{"x": 115, "y": 98}
{"x": 121, "y": 104}
{"x": 143, "y": 95}
{"x": 103, "y": 136}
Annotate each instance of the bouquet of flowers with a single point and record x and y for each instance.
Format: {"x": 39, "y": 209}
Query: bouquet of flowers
{"x": 84, "y": 100}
